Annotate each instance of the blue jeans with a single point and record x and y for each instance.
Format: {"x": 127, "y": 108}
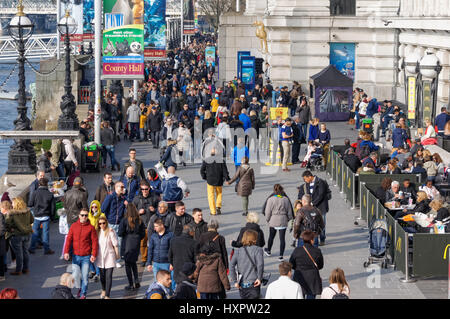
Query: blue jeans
{"x": 323, "y": 235}
{"x": 209, "y": 296}
{"x": 111, "y": 151}
{"x": 357, "y": 121}
{"x": 305, "y": 130}
{"x": 155, "y": 138}
{"x": 158, "y": 266}
{"x": 310, "y": 296}
{"x": 20, "y": 246}
{"x": 94, "y": 268}
{"x": 83, "y": 262}
{"x": 134, "y": 131}
{"x": 60, "y": 171}
{"x": 45, "y": 234}
{"x": 300, "y": 242}
{"x": 119, "y": 239}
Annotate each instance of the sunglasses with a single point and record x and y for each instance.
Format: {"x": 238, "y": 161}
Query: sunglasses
{"x": 102, "y": 223}
{"x": 83, "y": 215}
{"x": 93, "y": 206}
{"x": 144, "y": 189}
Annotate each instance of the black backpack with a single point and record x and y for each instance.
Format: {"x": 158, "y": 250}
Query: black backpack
{"x": 339, "y": 295}
{"x": 311, "y": 221}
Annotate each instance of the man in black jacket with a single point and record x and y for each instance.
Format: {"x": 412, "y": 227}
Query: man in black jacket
{"x": 146, "y": 203}
{"x": 352, "y": 160}
{"x": 74, "y": 200}
{"x": 299, "y": 138}
{"x": 105, "y": 189}
{"x": 183, "y": 249}
{"x": 43, "y": 203}
{"x": 318, "y": 189}
{"x": 215, "y": 172}
{"x": 175, "y": 222}
{"x": 198, "y": 224}
{"x": 155, "y": 124}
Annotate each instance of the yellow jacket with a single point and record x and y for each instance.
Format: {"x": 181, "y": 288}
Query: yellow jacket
{"x": 94, "y": 219}
{"x": 214, "y": 105}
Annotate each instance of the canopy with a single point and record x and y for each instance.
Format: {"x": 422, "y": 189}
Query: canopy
{"x": 331, "y": 77}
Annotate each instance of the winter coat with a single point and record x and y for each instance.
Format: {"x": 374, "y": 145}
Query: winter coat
{"x": 144, "y": 203}
{"x": 43, "y": 202}
{"x": 214, "y": 173}
{"x": 304, "y": 114}
{"x": 131, "y": 186}
{"x": 245, "y": 119}
{"x": 114, "y": 208}
{"x": 182, "y": 249}
{"x": 260, "y": 242}
{"x": 185, "y": 290}
{"x": 176, "y": 223}
{"x": 18, "y": 223}
{"x": 107, "y": 136}
{"x": 2, "y": 235}
{"x": 262, "y": 119}
{"x": 131, "y": 239}
{"x": 184, "y": 139}
{"x": 219, "y": 244}
{"x": 352, "y": 162}
{"x": 83, "y": 238}
{"x": 94, "y": 218}
{"x": 211, "y": 274}
{"x": 167, "y": 159}
{"x": 139, "y": 172}
{"x": 241, "y": 264}
{"x": 246, "y": 180}
{"x": 319, "y": 195}
{"x": 62, "y": 292}
{"x": 106, "y": 257}
{"x": 103, "y": 191}
{"x": 278, "y": 211}
{"x": 74, "y": 200}
{"x": 43, "y": 164}
{"x": 207, "y": 124}
{"x": 158, "y": 248}
{"x": 134, "y": 113}
{"x": 150, "y": 226}
{"x": 305, "y": 272}
{"x": 199, "y": 228}
{"x": 155, "y": 121}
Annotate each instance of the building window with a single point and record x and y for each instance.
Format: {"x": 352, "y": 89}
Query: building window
{"x": 342, "y": 7}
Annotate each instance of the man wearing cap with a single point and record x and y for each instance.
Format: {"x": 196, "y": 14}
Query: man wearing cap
{"x": 155, "y": 124}
{"x": 74, "y": 200}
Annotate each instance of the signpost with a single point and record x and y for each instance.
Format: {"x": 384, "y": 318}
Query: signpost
{"x": 248, "y": 71}
{"x": 240, "y": 54}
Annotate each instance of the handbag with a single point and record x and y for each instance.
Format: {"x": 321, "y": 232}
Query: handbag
{"x": 265, "y": 276}
{"x": 312, "y": 259}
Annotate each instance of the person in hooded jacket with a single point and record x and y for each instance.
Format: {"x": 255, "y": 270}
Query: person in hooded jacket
{"x": 211, "y": 273}
{"x": 64, "y": 289}
{"x": 95, "y": 212}
{"x": 183, "y": 248}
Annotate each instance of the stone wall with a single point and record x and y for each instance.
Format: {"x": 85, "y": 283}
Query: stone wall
{"x": 49, "y": 92}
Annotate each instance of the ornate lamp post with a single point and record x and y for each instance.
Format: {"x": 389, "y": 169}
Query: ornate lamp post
{"x": 411, "y": 73}
{"x": 430, "y": 67}
{"x": 68, "y": 120}
{"x": 21, "y": 157}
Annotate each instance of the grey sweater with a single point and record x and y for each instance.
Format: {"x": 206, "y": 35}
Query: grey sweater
{"x": 240, "y": 264}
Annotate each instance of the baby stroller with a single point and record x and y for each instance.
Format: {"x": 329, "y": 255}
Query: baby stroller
{"x": 378, "y": 243}
{"x": 315, "y": 162}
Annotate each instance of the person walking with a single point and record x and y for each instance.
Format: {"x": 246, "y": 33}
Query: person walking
{"x": 213, "y": 236}
{"x": 109, "y": 140}
{"x": 298, "y": 139}
{"x": 95, "y": 213}
{"x": 278, "y": 213}
{"x": 105, "y": 189}
{"x": 161, "y": 287}
{"x": 304, "y": 114}
{"x": 155, "y": 124}
{"x": 64, "y": 289}
{"x": 173, "y": 188}
{"x": 211, "y": 273}
{"x": 248, "y": 262}
{"x": 83, "y": 239}
{"x": 287, "y": 136}
{"x": 108, "y": 253}
{"x": 134, "y": 114}
{"x": 18, "y": 223}
{"x": 338, "y": 287}
{"x": 246, "y": 183}
{"x": 215, "y": 172}
{"x": 158, "y": 250}
{"x": 132, "y": 231}
{"x": 183, "y": 249}
{"x": 175, "y": 222}
{"x": 306, "y": 262}
{"x": 320, "y": 192}
{"x": 263, "y": 129}
{"x": 186, "y": 289}
{"x": 135, "y": 163}
{"x": 43, "y": 203}
{"x": 74, "y": 200}
{"x": 252, "y": 224}
{"x": 308, "y": 218}
{"x": 284, "y": 287}
{"x": 198, "y": 224}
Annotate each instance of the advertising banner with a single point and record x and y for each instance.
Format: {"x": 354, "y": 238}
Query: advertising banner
{"x": 342, "y": 56}
{"x": 189, "y": 15}
{"x": 88, "y": 17}
{"x": 426, "y": 102}
{"x": 210, "y": 56}
{"x": 411, "y": 98}
{"x": 155, "y": 29}
{"x": 240, "y": 54}
{"x": 123, "y": 39}
{"x": 248, "y": 72}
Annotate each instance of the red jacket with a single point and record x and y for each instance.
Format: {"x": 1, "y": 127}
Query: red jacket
{"x": 84, "y": 239}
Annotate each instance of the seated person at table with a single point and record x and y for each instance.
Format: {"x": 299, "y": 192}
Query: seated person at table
{"x": 380, "y": 193}
{"x": 429, "y": 189}
{"x": 438, "y": 210}
{"x": 394, "y": 194}
{"x": 418, "y": 169}
{"x": 372, "y": 159}
{"x": 392, "y": 167}
{"x": 352, "y": 160}
{"x": 368, "y": 169}
{"x": 422, "y": 206}
{"x": 408, "y": 190}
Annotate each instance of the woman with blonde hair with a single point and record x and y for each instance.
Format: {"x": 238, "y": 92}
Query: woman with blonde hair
{"x": 19, "y": 221}
{"x": 108, "y": 253}
{"x": 252, "y": 224}
{"x": 429, "y": 138}
{"x": 95, "y": 213}
{"x": 208, "y": 121}
{"x": 338, "y": 285}
{"x": 314, "y": 130}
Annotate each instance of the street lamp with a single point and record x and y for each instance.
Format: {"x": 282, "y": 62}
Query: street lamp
{"x": 68, "y": 120}
{"x": 430, "y": 67}
{"x": 410, "y": 66}
{"x": 21, "y": 157}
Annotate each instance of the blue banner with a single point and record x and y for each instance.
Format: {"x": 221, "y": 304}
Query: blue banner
{"x": 248, "y": 72}
{"x": 155, "y": 29}
{"x": 210, "y": 56}
{"x": 342, "y": 56}
{"x": 240, "y": 54}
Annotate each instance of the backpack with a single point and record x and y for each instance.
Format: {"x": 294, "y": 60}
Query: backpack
{"x": 365, "y": 152}
{"x": 311, "y": 221}
{"x": 338, "y": 295}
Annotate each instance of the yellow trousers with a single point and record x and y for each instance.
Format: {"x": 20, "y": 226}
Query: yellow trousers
{"x": 214, "y": 198}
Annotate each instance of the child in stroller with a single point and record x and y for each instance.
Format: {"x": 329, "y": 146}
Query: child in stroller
{"x": 314, "y": 156}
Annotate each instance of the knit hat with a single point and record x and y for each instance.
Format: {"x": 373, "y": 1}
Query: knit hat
{"x": 188, "y": 268}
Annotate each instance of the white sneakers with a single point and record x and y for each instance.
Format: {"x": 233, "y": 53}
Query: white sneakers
{"x": 12, "y": 265}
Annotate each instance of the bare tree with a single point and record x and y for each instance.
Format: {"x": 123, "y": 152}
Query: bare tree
{"x": 213, "y": 9}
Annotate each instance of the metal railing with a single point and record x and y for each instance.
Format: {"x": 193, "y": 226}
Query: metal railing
{"x": 38, "y": 46}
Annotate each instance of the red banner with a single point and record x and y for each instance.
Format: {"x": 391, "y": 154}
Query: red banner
{"x": 152, "y": 53}
{"x": 122, "y": 69}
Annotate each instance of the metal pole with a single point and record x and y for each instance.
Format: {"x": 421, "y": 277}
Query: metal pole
{"x": 135, "y": 90}
{"x": 182, "y": 24}
{"x": 58, "y": 18}
{"x": 238, "y": 5}
{"x": 407, "y": 278}
{"x": 98, "y": 65}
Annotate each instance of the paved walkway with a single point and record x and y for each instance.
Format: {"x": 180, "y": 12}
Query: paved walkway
{"x": 346, "y": 246}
